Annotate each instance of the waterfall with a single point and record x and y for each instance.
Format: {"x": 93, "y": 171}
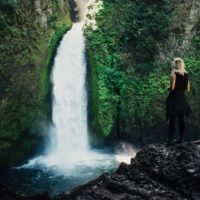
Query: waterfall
{"x": 69, "y": 92}
{"x": 69, "y": 129}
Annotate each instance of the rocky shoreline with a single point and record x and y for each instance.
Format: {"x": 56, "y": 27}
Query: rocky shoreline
{"x": 157, "y": 172}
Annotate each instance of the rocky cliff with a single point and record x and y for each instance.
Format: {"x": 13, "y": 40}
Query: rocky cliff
{"x": 157, "y": 172}
{"x": 30, "y": 32}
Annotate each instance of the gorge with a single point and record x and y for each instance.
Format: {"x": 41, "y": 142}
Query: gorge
{"x": 65, "y": 90}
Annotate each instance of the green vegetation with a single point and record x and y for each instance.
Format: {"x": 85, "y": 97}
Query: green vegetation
{"x": 8, "y": 3}
{"x": 28, "y": 42}
{"x": 129, "y": 80}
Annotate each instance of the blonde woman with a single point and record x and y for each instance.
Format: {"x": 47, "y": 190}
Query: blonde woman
{"x": 177, "y": 106}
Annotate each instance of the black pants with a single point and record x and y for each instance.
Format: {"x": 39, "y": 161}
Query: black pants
{"x": 172, "y": 123}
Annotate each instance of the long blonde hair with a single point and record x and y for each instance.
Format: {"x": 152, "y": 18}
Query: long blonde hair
{"x": 178, "y": 65}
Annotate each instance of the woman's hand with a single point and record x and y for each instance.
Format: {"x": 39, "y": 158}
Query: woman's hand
{"x": 188, "y": 86}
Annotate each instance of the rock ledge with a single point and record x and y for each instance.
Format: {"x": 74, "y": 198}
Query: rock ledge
{"x": 156, "y": 173}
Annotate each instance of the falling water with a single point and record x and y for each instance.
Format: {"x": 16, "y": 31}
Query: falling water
{"x": 69, "y": 93}
{"x": 69, "y": 131}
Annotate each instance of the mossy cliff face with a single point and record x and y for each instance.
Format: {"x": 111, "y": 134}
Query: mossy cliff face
{"x": 30, "y": 32}
{"x": 130, "y": 54}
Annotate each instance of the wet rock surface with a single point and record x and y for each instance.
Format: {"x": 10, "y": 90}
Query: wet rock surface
{"x": 157, "y": 172}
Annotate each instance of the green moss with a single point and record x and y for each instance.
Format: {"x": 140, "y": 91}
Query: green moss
{"x": 15, "y": 151}
{"x": 53, "y": 42}
{"x": 28, "y": 47}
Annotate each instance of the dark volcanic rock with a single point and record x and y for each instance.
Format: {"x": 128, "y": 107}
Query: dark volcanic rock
{"x": 156, "y": 173}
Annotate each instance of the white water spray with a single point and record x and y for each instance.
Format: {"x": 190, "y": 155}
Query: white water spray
{"x": 69, "y": 92}
{"x": 125, "y": 152}
{"x": 69, "y": 99}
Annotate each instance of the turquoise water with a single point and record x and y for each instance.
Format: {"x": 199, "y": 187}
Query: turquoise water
{"x": 38, "y": 178}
